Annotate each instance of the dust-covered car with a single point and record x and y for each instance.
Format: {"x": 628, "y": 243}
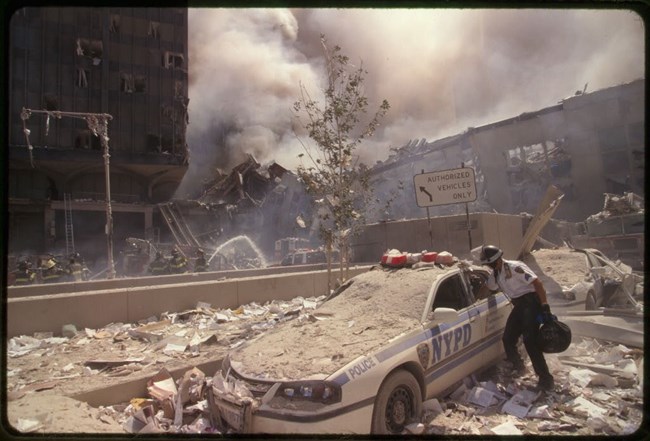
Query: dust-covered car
{"x": 613, "y": 286}
{"x": 365, "y": 359}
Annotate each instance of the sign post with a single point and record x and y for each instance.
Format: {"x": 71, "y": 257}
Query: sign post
{"x": 446, "y": 187}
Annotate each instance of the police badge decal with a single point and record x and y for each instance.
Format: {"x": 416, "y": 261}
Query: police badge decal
{"x": 423, "y": 354}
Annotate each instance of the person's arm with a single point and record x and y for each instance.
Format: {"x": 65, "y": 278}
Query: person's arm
{"x": 541, "y": 292}
{"x": 483, "y": 292}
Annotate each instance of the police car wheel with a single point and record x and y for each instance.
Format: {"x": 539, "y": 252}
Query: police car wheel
{"x": 398, "y": 404}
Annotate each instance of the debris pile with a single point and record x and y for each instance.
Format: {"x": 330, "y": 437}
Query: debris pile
{"x": 42, "y": 361}
{"x": 599, "y": 391}
{"x": 616, "y": 205}
{"x": 599, "y": 384}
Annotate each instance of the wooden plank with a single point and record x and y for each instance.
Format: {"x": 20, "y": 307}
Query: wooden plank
{"x": 545, "y": 211}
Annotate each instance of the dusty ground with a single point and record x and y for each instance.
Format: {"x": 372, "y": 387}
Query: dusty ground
{"x": 41, "y": 380}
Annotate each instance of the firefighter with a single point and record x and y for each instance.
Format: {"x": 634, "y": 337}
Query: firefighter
{"x": 52, "y": 272}
{"x": 200, "y": 264}
{"x": 159, "y": 265}
{"x": 77, "y": 270}
{"x": 528, "y": 296}
{"x": 24, "y": 274}
{"x": 178, "y": 263}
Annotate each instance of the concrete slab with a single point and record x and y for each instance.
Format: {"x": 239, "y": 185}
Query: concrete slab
{"x": 137, "y": 387}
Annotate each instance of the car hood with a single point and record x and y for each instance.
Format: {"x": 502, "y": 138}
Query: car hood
{"x": 378, "y": 306}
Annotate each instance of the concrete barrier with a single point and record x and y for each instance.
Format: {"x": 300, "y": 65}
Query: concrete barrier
{"x": 96, "y": 309}
{"x": 131, "y": 282}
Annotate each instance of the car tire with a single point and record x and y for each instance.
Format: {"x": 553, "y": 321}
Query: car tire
{"x": 397, "y": 404}
{"x": 590, "y": 301}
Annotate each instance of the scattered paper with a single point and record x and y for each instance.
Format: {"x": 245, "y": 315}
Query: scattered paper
{"x": 506, "y": 428}
{"x": 482, "y": 397}
{"x": 590, "y": 408}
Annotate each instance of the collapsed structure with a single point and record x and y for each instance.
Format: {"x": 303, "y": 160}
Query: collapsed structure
{"x": 133, "y": 65}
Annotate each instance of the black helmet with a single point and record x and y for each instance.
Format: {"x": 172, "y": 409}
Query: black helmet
{"x": 554, "y": 337}
{"x": 22, "y": 265}
{"x": 490, "y": 254}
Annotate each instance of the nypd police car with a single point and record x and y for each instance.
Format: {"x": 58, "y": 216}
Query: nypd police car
{"x": 367, "y": 357}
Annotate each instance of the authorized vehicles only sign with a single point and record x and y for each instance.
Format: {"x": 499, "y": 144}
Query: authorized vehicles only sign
{"x": 445, "y": 187}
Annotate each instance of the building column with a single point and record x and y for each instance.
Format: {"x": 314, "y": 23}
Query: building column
{"x": 49, "y": 224}
{"x": 148, "y": 218}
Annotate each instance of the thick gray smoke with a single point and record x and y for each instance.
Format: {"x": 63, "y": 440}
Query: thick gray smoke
{"x": 442, "y": 71}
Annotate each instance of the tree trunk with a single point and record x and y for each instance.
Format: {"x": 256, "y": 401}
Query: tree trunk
{"x": 329, "y": 266}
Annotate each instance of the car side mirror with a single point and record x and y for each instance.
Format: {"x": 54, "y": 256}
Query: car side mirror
{"x": 444, "y": 315}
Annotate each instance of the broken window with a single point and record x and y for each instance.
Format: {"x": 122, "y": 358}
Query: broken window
{"x": 166, "y": 144}
{"x": 139, "y": 83}
{"x": 91, "y": 49}
{"x": 126, "y": 83}
{"x": 178, "y": 89}
{"x": 50, "y": 102}
{"x": 153, "y": 143}
{"x": 114, "y": 27}
{"x": 450, "y": 294}
{"x": 81, "y": 79}
{"x": 85, "y": 139}
{"x": 173, "y": 60}
{"x": 154, "y": 30}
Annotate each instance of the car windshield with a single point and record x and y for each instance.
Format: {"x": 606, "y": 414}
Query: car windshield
{"x": 402, "y": 292}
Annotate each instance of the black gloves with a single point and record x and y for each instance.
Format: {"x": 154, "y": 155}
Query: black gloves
{"x": 546, "y": 315}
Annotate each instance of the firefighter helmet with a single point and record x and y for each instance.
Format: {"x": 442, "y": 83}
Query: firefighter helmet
{"x": 554, "y": 337}
{"x": 490, "y": 254}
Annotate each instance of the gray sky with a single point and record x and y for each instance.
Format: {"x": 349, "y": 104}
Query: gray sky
{"x": 441, "y": 70}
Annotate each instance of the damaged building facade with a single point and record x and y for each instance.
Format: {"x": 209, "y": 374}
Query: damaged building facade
{"x": 587, "y": 145}
{"x": 129, "y": 63}
{"x": 259, "y": 204}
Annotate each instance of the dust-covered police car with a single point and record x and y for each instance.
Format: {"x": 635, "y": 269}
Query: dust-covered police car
{"x": 367, "y": 357}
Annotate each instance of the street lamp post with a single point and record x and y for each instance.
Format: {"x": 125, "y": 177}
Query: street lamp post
{"x": 98, "y": 124}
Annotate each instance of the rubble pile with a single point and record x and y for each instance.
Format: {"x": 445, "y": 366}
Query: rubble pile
{"x": 599, "y": 384}
{"x": 94, "y": 358}
{"x": 616, "y": 205}
{"x": 562, "y": 271}
{"x": 599, "y": 391}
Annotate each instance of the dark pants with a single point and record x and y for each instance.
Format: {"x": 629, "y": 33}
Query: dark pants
{"x": 523, "y": 321}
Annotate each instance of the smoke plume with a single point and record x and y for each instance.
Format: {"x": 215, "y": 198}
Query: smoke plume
{"x": 441, "y": 70}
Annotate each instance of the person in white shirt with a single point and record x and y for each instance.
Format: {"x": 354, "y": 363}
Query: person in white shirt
{"x": 528, "y": 296}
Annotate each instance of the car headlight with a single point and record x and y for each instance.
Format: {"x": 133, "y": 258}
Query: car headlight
{"x": 325, "y": 392}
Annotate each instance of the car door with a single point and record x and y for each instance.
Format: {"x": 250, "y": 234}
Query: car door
{"x": 493, "y": 312}
{"x": 452, "y": 344}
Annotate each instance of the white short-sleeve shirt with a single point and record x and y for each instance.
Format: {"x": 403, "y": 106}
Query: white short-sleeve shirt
{"x": 514, "y": 279}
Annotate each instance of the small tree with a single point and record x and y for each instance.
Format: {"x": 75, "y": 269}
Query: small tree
{"x": 336, "y": 179}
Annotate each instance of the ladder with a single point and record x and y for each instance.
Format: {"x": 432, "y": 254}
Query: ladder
{"x": 69, "y": 230}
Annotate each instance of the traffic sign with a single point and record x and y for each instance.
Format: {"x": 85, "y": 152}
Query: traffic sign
{"x": 445, "y": 187}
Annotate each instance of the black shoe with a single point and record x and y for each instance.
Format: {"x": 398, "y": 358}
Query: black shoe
{"x": 546, "y": 383}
